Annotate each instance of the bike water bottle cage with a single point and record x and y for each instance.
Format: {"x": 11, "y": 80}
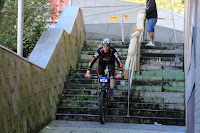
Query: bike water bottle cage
{"x": 103, "y": 79}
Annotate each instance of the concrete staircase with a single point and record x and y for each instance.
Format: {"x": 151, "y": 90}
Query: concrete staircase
{"x": 162, "y": 57}
{"x": 156, "y": 96}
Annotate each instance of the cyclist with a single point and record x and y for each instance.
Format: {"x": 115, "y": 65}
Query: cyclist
{"x": 106, "y": 55}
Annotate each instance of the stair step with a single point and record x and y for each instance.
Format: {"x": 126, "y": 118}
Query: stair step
{"x": 89, "y": 57}
{"x": 158, "y": 52}
{"x": 89, "y": 86}
{"x": 122, "y": 119}
{"x": 89, "y": 97}
{"x": 91, "y": 92}
{"x": 95, "y": 49}
{"x": 159, "y": 83}
{"x": 155, "y": 106}
{"x": 166, "y": 46}
{"x": 84, "y": 70}
{"x": 150, "y": 73}
{"x": 84, "y": 81}
{"x": 161, "y": 63}
{"x": 135, "y": 88}
{"x": 145, "y": 73}
{"x": 94, "y": 52}
{"x": 160, "y": 55}
{"x": 159, "y": 78}
{"x": 165, "y": 85}
{"x": 94, "y": 81}
{"x": 162, "y": 68}
{"x": 122, "y": 111}
{"x": 149, "y": 99}
{"x": 171, "y": 59}
{"x": 81, "y": 75}
{"x": 87, "y": 61}
{"x": 119, "y": 93}
{"x": 155, "y": 96}
{"x": 163, "y": 47}
{"x": 84, "y": 64}
{"x": 96, "y": 46}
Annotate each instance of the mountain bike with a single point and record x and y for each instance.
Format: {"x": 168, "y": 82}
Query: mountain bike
{"x": 103, "y": 100}
{"x": 104, "y": 97}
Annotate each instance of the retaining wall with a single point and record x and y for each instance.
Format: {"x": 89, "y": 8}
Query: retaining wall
{"x": 30, "y": 88}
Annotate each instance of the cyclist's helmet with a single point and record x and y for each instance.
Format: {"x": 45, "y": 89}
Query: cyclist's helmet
{"x": 106, "y": 41}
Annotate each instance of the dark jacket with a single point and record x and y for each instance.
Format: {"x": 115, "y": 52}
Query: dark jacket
{"x": 151, "y": 10}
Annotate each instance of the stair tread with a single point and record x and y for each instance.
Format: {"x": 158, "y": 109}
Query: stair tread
{"x": 119, "y": 116}
{"x": 155, "y": 96}
{"x": 90, "y": 95}
{"x": 157, "y": 51}
{"x": 125, "y": 91}
{"x": 122, "y": 108}
{"x": 124, "y": 102}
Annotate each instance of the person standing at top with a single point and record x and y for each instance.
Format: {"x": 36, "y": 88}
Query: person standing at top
{"x": 151, "y": 16}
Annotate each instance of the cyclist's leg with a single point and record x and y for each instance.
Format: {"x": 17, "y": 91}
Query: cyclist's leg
{"x": 111, "y": 67}
{"x": 100, "y": 70}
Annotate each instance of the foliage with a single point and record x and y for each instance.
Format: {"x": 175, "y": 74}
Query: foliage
{"x": 36, "y": 14}
{"x": 1, "y": 4}
{"x": 178, "y": 5}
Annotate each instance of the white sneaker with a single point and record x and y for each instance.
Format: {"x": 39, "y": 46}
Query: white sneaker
{"x": 150, "y": 44}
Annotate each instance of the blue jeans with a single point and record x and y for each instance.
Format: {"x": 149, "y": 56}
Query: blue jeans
{"x": 151, "y": 24}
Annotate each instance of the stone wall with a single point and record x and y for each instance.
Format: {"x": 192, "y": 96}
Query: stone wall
{"x": 192, "y": 64}
{"x": 30, "y": 89}
{"x": 197, "y": 73}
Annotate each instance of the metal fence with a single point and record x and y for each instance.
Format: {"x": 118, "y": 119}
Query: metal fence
{"x": 99, "y": 26}
{"x": 109, "y": 30}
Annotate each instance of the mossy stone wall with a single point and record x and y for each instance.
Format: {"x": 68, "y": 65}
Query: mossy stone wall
{"x": 29, "y": 93}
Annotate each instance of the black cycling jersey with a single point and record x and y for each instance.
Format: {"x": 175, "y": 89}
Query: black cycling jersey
{"x": 106, "y": 58}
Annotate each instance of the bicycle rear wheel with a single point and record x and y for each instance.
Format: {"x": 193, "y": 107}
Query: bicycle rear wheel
{"x": 102, "y": 107}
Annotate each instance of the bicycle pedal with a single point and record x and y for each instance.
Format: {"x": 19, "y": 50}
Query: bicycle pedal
{"x": 107, "y": 104}
{"x": 111, "y": 98}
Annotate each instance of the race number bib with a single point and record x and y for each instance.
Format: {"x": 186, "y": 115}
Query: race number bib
{"x": 103, "y": 79}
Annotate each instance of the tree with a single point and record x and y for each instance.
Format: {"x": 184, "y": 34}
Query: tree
{"x": 36, "y": 15}
{"x": 178, "y": 5}
{"x": 1, "y": 4}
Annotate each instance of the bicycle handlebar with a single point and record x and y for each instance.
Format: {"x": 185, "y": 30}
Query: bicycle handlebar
{"x": 96, "y": 77}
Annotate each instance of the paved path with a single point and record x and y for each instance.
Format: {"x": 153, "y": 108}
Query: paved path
{"x": 58, "y": 126}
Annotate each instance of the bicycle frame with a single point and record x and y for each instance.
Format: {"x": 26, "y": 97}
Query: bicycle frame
{"x": 103, "y": 96}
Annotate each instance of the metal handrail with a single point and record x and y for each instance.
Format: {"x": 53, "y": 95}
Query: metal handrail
{"x": 132, "y": 68}
{"x": 132, "y": 65}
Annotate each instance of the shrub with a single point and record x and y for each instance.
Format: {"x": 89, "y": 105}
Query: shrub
{"x": 36, "y": 15}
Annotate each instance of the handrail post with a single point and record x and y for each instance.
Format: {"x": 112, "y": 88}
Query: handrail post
{"x": 122, "y": 28}
{"x": 129, "y": 85}
{"x": 173, "y": 22}
{"x": 138, "y": 55}
{"x": 144, "y": 30}
{"x": 20, "y": 27}
{"x": 128, "y": 95}
{"x": 132, "y": 63}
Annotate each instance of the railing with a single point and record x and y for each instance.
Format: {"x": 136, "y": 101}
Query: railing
{"x": 100, "y": 25}
{"x": 133, "y": 57}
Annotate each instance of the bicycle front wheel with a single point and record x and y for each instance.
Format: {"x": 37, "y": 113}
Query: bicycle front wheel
{"x": 102, "y": 107}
